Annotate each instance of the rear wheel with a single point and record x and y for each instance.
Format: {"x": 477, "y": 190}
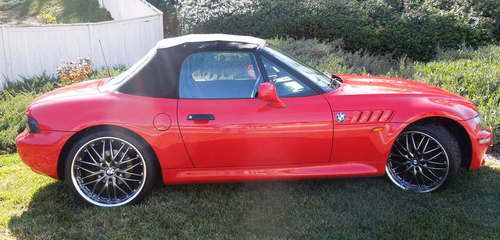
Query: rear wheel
{"x": 424, "y": 158}
{"x": 110, "y": 169}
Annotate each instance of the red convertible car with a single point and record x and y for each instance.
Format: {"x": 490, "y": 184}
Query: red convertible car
{"x": 221, "y": 108}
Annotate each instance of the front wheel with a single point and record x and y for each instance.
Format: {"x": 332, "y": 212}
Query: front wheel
{"x": 110, "y": 169}
{"x": 424, "y": 158}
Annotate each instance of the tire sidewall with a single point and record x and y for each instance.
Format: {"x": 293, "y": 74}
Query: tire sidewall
{"x": 149, "y": 159}
{"x": 450, "y": 145}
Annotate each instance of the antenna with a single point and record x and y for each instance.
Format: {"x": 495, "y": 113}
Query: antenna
{"x": 105, "y": 62}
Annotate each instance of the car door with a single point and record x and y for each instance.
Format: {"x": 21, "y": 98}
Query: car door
{"x": 223, "y": 124}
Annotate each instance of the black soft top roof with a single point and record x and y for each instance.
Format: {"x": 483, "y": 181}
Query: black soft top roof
{"x": 159, "y": 76}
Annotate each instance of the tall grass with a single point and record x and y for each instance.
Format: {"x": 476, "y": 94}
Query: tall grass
{"x": 331, "y": 57}
{"x": 16, "y": 96}
{"x": 474, "y": 74}
{"x": 13, "y": 101}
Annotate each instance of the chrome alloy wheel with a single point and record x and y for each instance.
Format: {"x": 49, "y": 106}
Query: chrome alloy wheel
{"x": 417, "y": 162}
{"x": 108, "y": 172}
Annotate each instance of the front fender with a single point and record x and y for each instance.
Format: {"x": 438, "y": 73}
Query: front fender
{"x": 425, "y": 107}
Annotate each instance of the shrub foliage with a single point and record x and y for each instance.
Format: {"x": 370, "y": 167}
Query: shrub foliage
{"x": 75, "y": 71}
{"x": 413, "y": 28}
{"x": 13, "y": 101}
{"x": 16, "y": 96}
{"x": 472, "y": 74}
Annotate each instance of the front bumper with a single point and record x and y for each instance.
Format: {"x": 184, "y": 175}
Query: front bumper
{"x": 481, "y": 139}
{"x": 41, "y": 151}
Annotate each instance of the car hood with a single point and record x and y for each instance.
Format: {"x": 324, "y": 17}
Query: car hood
{"x": 355, "y": 84}
{"x": 86, "y": 88}
{"x": 408, "y": 98}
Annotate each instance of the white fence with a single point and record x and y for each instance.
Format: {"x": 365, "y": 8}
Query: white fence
{"x": 31, "y": 50}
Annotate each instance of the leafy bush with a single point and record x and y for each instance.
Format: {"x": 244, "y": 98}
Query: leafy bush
{"x": 17, "y": 95}
{"x": 75, "y": 71}
{"x": 36, "y": 84}
{"x": 106, "y": 72}
{"x": 11, "y": 120}
{"x": 331, "y": 57}
{"x": 472, "y": 74}
{"x": 413, "y": 28}
{"x": 13, "y": 101}
{"x": 167, "y": 6}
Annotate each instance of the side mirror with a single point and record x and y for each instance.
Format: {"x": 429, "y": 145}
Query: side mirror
{"x": 267, "y": 92}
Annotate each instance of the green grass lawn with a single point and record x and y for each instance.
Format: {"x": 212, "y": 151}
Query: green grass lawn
{"x": 37, "y": 207}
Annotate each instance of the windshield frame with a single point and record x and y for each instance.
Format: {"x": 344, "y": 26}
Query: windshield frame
{"x": 307, "y": 73}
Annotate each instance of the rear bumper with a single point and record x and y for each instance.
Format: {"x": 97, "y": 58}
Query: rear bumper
{"x": 41, "y": 151}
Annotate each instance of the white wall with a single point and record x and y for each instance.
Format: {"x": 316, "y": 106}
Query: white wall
{"x": 27, "y": 51}
{"x": 126, "y": 9}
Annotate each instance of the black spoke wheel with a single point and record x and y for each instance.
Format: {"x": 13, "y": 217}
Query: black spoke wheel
{"x": 110, "y": 170}
{"x": 423, "y": 159}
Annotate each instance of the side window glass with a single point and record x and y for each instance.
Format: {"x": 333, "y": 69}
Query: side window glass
{"x": 219, "y": 75}
{"x": 287, "y": 85}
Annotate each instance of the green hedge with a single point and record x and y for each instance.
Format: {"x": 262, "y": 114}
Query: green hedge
{"x": 331, "y": 57}
{"x": 413, "y": 28}
{"x": 472, "y": 74}
{"x": 13, "y": 102}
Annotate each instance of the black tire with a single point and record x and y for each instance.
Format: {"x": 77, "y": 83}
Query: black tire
{"x": 147, "y": 167}
{"x": 448, "y": 143}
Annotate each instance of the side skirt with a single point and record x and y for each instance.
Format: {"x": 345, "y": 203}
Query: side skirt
{"x": 261, "y": 173}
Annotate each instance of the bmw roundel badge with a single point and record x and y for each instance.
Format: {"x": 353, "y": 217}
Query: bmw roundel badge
{"x": 340, "y": 117}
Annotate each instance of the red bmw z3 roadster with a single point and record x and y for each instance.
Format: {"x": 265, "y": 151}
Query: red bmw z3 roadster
{"x": 222, "y": 108}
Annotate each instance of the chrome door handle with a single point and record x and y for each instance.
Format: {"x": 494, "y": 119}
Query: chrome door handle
{"x": 195, "y": 117}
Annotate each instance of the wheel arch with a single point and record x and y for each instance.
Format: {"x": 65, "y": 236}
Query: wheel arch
{"x": 75, "y": 137}
{"x": 456, "y": 129}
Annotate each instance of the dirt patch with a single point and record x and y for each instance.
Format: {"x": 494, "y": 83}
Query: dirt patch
{"x": 10, "y": 14}
{"x": 36, "y": 12}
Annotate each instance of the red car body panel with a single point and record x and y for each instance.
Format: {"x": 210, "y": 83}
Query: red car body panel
{"x": 245, "y": 129}
{"x": 302, "y": 137}
{"x": 250, "y": 139}
{"x": 256, "y": 173}
{"x": 42, "y": 152}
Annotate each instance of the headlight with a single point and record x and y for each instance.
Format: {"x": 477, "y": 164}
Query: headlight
{"x": 32, "y": 125}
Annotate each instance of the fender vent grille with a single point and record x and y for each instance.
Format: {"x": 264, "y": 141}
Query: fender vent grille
{"x": 375, "y": 116}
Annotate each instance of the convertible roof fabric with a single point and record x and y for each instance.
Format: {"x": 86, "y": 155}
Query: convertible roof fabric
{"x": 203, "y": 38}
{"x": 159, "y": 77}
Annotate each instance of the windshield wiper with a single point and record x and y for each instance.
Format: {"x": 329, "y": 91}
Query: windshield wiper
{"x": 334, "y": 83}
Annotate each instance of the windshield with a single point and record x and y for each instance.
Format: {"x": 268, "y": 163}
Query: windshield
{"x": 323, "y": 80}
